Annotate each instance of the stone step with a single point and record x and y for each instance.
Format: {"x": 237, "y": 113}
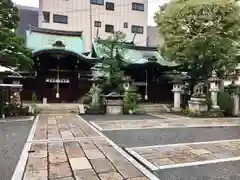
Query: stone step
{"x": 151, "y": 108}
{"x": 58, "y": 108}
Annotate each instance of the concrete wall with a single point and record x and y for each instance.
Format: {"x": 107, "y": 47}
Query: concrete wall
{"x": 28, "y": 17}
{"x": 78, "y": 12}
{"x": 154, "y": 39}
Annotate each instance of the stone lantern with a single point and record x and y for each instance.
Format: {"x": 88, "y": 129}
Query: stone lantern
{"x": 234, "y": 90}
{"x": 214, "y": 89}
{"x": 177, "y": 91}
{"x": 126, "y": 83}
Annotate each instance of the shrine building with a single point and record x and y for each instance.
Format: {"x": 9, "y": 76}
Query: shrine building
{"x": 63, "y": 72}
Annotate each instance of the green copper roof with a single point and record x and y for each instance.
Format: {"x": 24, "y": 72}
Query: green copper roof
{"x": 134, "y": 54}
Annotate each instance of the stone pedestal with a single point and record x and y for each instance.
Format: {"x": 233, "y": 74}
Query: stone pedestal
{"x": 198, "y": 105}
{"x": 177, "y": 90}
{"x": 114, "y": 103}
{"x": 44, "y": 100}
{"x": 235, "y": 104}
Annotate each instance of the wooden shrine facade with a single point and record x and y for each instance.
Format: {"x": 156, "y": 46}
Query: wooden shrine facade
{"x": 62, "y": 72}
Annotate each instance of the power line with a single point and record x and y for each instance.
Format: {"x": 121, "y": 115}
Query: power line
{"x": 92, "y": 9}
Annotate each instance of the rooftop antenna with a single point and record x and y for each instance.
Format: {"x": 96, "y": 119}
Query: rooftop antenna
{"x": 97, "y": 34}
{"x": 134, "y": 36}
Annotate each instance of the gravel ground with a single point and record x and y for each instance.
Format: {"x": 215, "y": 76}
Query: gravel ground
{"x": 13, "y": 136}
{"x": 219, "y": 171}
{"x": 149, "y": 137}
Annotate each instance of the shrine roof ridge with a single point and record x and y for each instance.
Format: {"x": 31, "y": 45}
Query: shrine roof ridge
{"x": 55, "y": 32}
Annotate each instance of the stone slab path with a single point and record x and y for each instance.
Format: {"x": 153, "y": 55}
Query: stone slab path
{"x": 65, "y": 147}
{"x": 163, "y": 123}
{"x": 59, "y": 127}
{"x": 187, "y": 154}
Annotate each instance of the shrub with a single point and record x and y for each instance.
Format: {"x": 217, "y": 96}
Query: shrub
{"x": 130, "y": 100}
{"x": 34, "y": 98}
{"x": 225, "y": 102}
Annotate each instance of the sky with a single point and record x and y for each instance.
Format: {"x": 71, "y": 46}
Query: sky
{"x": 152, "y": 7}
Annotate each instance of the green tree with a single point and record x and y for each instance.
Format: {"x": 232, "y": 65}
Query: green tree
{"x": 201, "y": 35}
{"x": 12, "y": 48}
{"x": 112, "y": 63}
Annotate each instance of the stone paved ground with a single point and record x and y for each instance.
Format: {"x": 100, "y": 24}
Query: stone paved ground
{"x": 171, "y": 129}
{"x": 166, "y": 156}
{"x": 163, "y": 123}
{"x": 218, "y": 171}
{"x": 57, "y": 153}
{"x": 13, "y": 135}
{"x": 62, "y": 127}
{"x": 160, "y": 136}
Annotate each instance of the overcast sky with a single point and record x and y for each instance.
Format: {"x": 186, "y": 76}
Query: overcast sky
{"x": 152, "y": 6}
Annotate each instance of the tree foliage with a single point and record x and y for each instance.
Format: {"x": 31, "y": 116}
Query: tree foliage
{"x": 12, "y": 48}
{"x": 201, "y": 35}
{"x": 112, "y": 63}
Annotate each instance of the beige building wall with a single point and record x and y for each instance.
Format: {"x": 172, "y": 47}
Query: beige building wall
{"x": 81, "y": 12}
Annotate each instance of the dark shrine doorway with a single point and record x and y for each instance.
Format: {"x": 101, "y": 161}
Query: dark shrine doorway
{"x": 150, "y": 80}
{"x": 60, "y": 75}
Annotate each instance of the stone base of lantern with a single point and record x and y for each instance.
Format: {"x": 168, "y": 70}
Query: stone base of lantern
{"x": 198, "y": 105}
{"x": 216, "y": 113}
{"x": 176, "y": 109}
{"x": 114, "y": 109}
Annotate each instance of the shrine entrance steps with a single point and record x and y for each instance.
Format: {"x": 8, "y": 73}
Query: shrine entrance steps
{"x": 154, "y": 107}
{"x": 62, "y": 108}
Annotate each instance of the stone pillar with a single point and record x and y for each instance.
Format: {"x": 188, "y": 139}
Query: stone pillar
{"x": 235, "y": 104}
{"x": 214, "y": 89}
{"x": 177, "y": 90}
{"x": 234, "y": 89}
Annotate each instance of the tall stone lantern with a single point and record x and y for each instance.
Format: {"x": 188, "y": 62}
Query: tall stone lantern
{"x": 234, "y": 90}
{"x": 214, "y": 89}
{"x": 177, "y": 91}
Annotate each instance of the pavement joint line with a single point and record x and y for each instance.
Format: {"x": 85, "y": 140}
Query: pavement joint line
{"x": 178, "y": 165}
{"x": 165, "y": 117}
{"x": 215, "y": 161}
{"x": 19, "y": 170}
{"x": 96, "y": 126}
{"x": 66, "y": 140}
{"x": 184, "y": 144}
{"x": 142, "y": 159}
{"x": 168, "y": 127}
{"x": 98, "y": 132}
{"x": 188, "y": 118}
{"x": 140, "y": 167}
{"x": 124, "y": 120}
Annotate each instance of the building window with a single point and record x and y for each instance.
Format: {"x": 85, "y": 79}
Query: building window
{"x": 46, "y": 16}
{"x": 97, "y": 23}
{"x": 110, "y": 6}
{"x": 125, "y": 25}
{"x": 137, "y": 29}
{"x": 109, "y": 28}
{"x": 60, "y": 19}
{"x": 137, "y": 6}
{"x": 98, "y": 2}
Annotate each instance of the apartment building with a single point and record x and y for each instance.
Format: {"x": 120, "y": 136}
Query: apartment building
{"x": 96, "y": 18}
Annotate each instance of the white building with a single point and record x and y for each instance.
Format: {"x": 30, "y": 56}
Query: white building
{"x": 94, "y": 17}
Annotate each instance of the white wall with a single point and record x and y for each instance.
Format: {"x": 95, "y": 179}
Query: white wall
{"x": 78, "y": 12}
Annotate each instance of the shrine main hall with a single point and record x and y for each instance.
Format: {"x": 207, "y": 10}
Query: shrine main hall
{"x": 63, "y": 72}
